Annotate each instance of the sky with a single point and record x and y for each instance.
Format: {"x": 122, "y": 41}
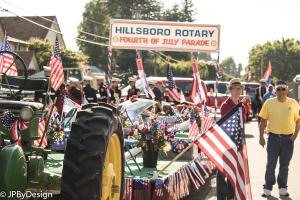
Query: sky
{"x": 244, "y": 23}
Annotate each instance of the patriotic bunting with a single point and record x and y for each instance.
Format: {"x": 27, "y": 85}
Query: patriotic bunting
{"x": 174, "y": 187}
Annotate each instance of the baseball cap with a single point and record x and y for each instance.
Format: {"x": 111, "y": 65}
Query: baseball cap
{"x": 281, "y": 84}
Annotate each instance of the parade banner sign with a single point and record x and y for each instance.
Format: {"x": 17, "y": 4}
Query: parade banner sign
{"x": 164, "y": 36}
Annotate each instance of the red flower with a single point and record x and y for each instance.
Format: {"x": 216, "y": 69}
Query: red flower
{"x": 130, "y": 133}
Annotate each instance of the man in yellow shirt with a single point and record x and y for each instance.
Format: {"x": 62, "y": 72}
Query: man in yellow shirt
{"x": 280, "y": 115}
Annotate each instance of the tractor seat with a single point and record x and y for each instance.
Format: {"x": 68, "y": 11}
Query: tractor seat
{"x": 32, "y": 83}
{"x": 18, "y": 105}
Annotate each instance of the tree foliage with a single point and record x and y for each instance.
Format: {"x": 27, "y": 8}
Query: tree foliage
{"x": 96, "y": 19}
{"x": 43, "y": 50}
{"x": 229, "y": 66}
{"x": 283, "y": 54}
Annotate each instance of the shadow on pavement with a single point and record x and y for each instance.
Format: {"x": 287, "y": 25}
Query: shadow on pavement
{"x": 275, "y": 198}
{"x": 204, "y": 190}
{"x": 249, "y": 136}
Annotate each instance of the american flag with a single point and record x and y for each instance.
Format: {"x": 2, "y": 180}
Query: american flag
{"x": 198, "y": 94}
{"x": 140, "y": 67}
{"x": 7, "y": 64}
{"x": 171, "y": 89}
{"x": 55, "y": 117}
{"x": 193, "y": 126}
{"x": 18, "y": 125}
{"x": 69, "y": 104}
{"x": 224, "y": 144}
{"x": 109, "y": 63}
{"x": 40, "y": 134}
{"x": 268, "y": 72}
{"x": 57, "y": 73}
{"x": 207, "y": 120}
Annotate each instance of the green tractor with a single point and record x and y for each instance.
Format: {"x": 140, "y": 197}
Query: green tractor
{"x": 92, "y": 166}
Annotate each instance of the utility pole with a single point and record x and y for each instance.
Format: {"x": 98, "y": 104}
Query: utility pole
{"x": 262, "y": 66}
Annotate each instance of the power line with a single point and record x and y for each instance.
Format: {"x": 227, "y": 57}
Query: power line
{"x": 168, "y": 57}
{"x": 163, "y": 59}
{"x": 91, "y": 34}
{"x": 92, "y": 42}
{"x": 96, "y": 22}
{"x": 40, "y": 25}
{"x": 30, "y": 12}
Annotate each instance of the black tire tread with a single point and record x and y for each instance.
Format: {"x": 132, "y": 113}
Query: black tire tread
{"x": 85, "y": 152}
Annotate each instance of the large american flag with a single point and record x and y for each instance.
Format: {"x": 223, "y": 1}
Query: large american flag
{"x": 198, "y": 94}
{"x": 142, "y": 76}
{"x": 193, "y": 126}
{"x": 57, "y": 73}
{"x": 224, "y": 144}
{"x": 171, "y": 89}
{"x": 7, "y": 64}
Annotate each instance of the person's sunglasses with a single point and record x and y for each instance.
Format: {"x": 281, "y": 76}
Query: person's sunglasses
{"x": 280, "y": 89}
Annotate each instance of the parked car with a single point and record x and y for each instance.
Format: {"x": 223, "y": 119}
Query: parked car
{"x": 250, "y": 90}
{"x": 221, "y": 95}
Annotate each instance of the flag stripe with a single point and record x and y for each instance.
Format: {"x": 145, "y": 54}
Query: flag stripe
{"x": 40, "y": 135}
{"x": 223, "y": 167}
{"x": 171, "y": 89}
{"x": 230, "y": 148}
{"x": 57, "y": 73}
{"x": 198, "y": 94}
{"x": 224, "y": 145}
{"x": 141, "y": 73}
{"x": 7, "y": 64}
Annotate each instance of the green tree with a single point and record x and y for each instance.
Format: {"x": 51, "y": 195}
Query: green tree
{"x": 43, "y": 51}
{"x": 229, "y": 66}
{"x": 283, "y": 54}
{"x": 95, "y": 20}
{"x": 239, "y": 70}
{"x": 188, "y": 10}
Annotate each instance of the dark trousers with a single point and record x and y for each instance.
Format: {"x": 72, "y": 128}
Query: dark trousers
{"x": 281, "y": 147}
{"x": 224, "y": 189}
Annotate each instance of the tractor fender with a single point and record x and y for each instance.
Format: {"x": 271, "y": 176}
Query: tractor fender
{"x": 13, "y": 169}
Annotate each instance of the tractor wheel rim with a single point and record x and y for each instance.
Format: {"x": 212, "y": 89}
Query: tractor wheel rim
{"x": 112, "y": 173}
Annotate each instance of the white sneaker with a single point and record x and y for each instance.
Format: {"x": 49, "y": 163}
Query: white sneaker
{"x": 283, "y": 192}
{"x": 266, "y": 193}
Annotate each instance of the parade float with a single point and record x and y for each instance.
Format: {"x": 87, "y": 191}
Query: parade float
{"x": 161, "y": 159}
{"x": 84, "y": 155}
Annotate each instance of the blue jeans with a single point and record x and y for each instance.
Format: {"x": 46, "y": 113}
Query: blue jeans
{"x": 224, "y": 189}
{"x": 281, "y": 147}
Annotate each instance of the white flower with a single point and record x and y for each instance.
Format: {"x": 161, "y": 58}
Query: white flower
{"x": 136, "y": 123}
{"x": 140, "y": 127}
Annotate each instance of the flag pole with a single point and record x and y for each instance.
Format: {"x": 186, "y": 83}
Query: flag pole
{"x": 47, "y": 122}
{"x": 156, "y": 174}
{"x": 217, "y": 83}
{"x": 108, "y": 73}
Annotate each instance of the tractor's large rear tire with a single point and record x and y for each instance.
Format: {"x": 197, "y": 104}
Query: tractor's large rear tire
{"x": 94, "y": 160}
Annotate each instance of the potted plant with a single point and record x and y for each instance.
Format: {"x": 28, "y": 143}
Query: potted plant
{"x": 152, "y": 137}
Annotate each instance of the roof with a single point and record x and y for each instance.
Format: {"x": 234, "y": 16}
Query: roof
{"x": 21, "y": 29}
{"x": 11, "y": 39}
{"x": 26, "y": 56}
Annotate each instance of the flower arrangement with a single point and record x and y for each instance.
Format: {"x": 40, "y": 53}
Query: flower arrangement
{"x": 151, "y": 134}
